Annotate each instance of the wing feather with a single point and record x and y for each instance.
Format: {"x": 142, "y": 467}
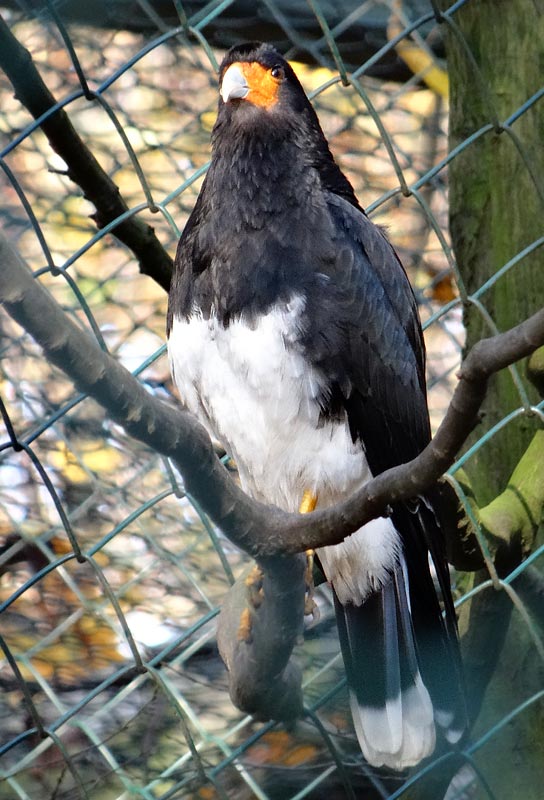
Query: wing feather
{"x": 374, "y": 344}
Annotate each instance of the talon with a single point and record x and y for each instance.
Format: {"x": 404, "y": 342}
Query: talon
{"x": 254, "y": 599}
{"x": 244, "y": 628}
{"x": 254, "y": 584}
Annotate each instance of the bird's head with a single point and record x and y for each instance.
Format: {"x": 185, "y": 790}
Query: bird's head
{"x": 256, "y": 76}
{"x": 261, "y": 100}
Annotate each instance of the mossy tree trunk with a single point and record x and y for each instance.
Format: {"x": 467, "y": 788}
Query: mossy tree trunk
{"x": 496, "y": 211}
{"x": 497, "y": 196}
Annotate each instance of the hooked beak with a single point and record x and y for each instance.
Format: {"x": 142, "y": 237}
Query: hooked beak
{"x": 234, "y": 85}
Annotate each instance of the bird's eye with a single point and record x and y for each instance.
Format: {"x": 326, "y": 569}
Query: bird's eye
{"x": 278, "y": 72}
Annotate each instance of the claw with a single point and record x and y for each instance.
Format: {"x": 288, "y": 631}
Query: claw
{"x": 244, "y": 627}
{"x": 254, "y": 598}
{"x": 254, "y": 584}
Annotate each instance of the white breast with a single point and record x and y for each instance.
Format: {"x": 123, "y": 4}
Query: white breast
{"x": 255, "y": 392}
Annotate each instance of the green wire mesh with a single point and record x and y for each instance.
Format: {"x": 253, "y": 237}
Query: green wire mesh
{"x": 110, "y": 575}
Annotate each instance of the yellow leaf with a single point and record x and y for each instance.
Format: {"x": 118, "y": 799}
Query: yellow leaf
{"x": 419, "y": 60}
{"x": 58, "y": 654}
{"x": 99, "y": 457}
{"x": 66, "y": 462}
{"x": 45, "y": 669}
{"x": 92, "y": 455}
{"x": 208, "y": 119}
{"x": 300, "y": 755}
{"x": 102, "y": 636}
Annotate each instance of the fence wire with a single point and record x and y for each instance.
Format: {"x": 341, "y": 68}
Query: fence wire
{"x": 111, "y": 576}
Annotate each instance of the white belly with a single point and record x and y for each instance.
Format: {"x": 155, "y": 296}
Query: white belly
{"x": 256, "y": 394}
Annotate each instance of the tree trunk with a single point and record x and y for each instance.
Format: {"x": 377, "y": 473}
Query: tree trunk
{"x": 496, "y": 211}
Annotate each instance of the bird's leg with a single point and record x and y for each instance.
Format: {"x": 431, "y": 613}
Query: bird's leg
{"x": 307, "y": 504}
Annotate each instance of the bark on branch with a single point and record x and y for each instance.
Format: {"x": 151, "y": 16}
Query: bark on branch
{"x": 262, "y": 531}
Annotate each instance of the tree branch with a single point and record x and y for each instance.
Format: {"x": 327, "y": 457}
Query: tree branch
{"x": 512, "y": 519}
{"x": 83, "y": 168}
{"x": 510, "y": 522}
{"x": 261, "y": 620}
{"x": 535, "y": 370}
{"x": 260, "y": 530}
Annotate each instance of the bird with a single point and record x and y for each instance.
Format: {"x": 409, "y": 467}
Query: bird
{"x": 294, "y": 337}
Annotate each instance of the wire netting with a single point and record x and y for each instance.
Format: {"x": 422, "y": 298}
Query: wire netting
{"x": 112, "y": 686}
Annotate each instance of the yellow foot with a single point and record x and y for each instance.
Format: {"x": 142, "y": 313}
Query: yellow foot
{"x": 244, "y": 627}
{"x": 254, "y": 585}
{"x": 308, "y": 503}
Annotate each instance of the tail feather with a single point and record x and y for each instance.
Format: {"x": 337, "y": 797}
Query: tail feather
{"x": 436, "y": 632}
{"x": 391, "y": 708}
{"x": 402, "y": 659}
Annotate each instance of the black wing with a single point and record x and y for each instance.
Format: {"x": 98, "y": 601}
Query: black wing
{"x": 363, "y": 333}
{"x": 192, "y": 259}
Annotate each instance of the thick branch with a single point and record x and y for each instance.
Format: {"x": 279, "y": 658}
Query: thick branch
{"x": 512, "y": 519}
{"x": 260, "y": 530}
{"x": 260, "y": 622}
{"x": 83, "y": 168}
{"x": 535, "y": 370}
{"x": 510, "y": 523}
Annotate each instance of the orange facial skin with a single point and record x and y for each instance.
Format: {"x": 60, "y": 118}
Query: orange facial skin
{"x": 263, "y": 87}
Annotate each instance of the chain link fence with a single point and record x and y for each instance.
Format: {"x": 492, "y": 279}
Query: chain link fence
{"x": 112, "y": 686}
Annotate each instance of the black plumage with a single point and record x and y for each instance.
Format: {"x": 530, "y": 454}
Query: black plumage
{"x": 277, "y": 219}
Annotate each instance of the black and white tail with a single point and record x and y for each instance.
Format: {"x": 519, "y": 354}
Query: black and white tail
{"x": 402, "y": 656}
